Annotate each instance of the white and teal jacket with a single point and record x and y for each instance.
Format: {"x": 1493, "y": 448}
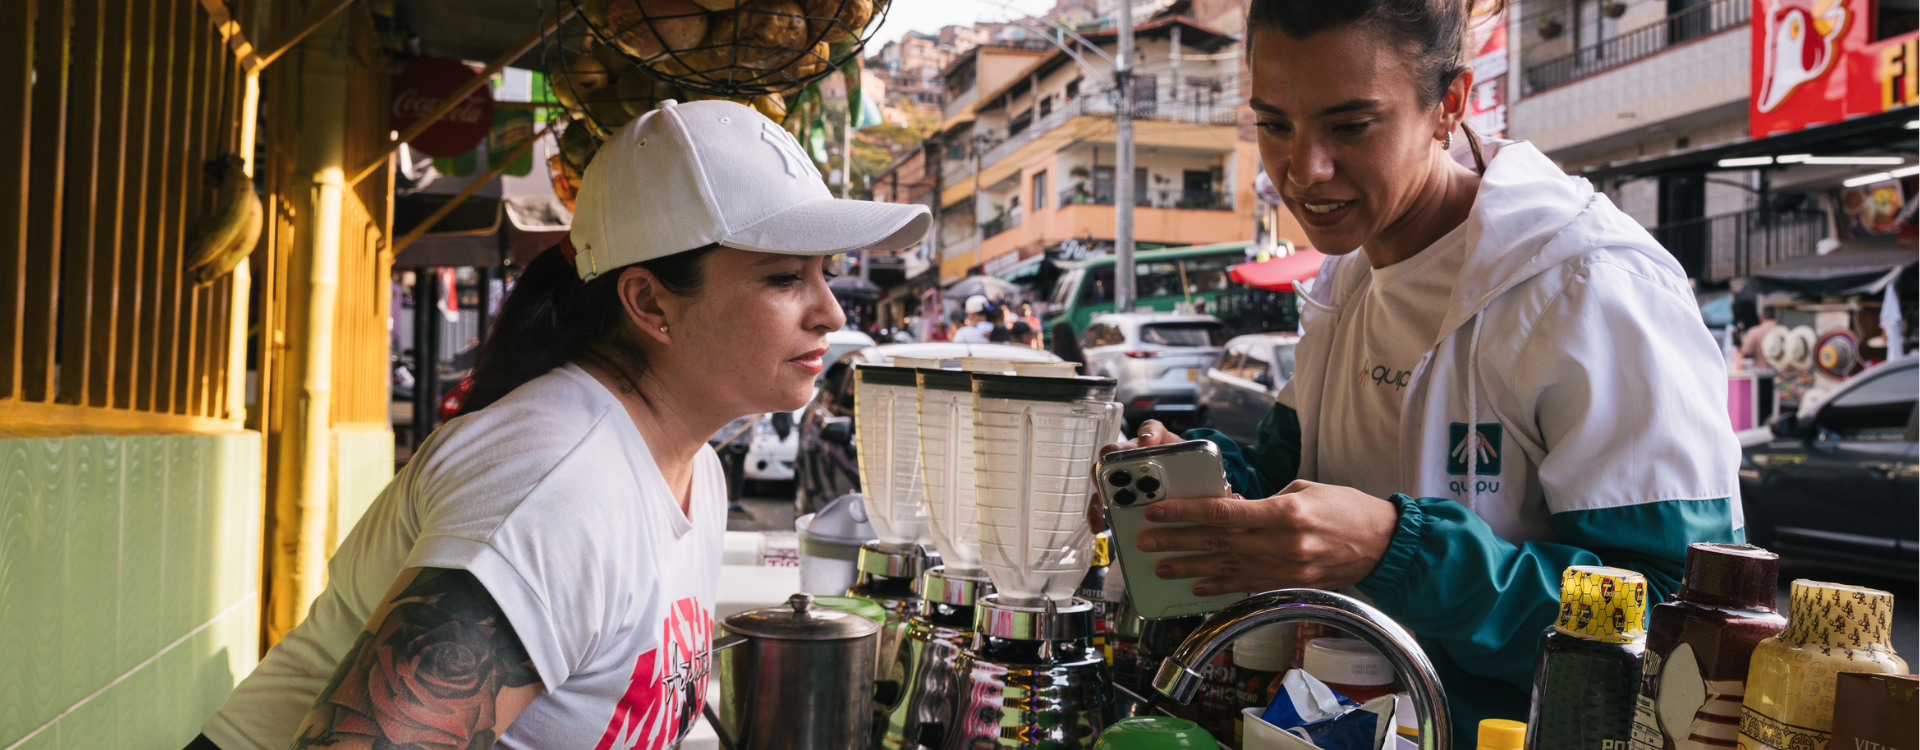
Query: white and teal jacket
{"x": 1571, "y": 411}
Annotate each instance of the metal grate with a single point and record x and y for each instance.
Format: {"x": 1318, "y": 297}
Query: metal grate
{"x": 1715, "y": 248}
{"x": 115, "y": 106}
{"x": 1692, "y": 23}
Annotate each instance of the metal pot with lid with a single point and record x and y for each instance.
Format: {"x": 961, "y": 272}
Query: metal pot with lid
{"x": 797, "y": 677}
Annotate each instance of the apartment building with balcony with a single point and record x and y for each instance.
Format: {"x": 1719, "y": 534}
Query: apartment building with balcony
{"x": 1600, "y": 81}
{"x": 1652, "y": 100}
{"x": 1028, "y": 164}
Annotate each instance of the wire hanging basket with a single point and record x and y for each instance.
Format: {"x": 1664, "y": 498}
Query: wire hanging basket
{"x": 736, "y": 49}
{"x": 597, "y": 86}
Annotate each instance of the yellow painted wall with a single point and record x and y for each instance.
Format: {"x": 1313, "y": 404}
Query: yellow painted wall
{"x": 129, "y": 586}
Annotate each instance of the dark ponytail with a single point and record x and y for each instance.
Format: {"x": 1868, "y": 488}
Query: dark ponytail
{"x": 552, "y": 318}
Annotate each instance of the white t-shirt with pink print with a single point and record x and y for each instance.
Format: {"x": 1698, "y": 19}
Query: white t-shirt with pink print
{"x": 551, "y": 499}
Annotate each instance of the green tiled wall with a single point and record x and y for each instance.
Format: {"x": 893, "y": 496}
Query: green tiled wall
{"x": 129, "y": 586}
{"x": 363, "y": 464}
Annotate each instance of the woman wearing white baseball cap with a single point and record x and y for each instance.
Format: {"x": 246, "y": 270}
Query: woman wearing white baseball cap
{"x": 543, "y": 571}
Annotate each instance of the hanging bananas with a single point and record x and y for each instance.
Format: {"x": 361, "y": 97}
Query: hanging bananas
{"x": 229, "y": 235}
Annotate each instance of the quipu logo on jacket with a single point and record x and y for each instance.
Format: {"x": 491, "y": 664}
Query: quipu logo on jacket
{"x": 1486, "y": 459}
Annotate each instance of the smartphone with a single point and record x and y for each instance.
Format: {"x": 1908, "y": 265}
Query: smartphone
{"x": 1134, "y": 479}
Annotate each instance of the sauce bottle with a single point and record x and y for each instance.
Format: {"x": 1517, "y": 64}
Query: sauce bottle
{"x": 1790, "y": 683}
{"x": 1699, "y": 645}
{"x": 1585, "y": 678}
{"x": 1501, "y": 734}
{"x": 1256, "y": 660}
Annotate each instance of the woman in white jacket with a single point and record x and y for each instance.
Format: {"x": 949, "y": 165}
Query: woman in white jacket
{"x": 1509, "y": 377}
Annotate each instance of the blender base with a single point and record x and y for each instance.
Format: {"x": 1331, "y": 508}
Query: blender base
{"x": 1032, "y": 679}
{"x": 1064, "y": 703}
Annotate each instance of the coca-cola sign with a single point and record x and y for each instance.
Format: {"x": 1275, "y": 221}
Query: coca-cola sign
{"x": 420, "y": 88}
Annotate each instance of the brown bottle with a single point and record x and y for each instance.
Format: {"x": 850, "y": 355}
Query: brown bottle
{"x": 1699, "y": 645}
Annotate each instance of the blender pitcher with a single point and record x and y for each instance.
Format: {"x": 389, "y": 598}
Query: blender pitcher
{"x": 886, "y": 411}
{"x": 946, "y": 461}
{"x": 1034, "y": 442}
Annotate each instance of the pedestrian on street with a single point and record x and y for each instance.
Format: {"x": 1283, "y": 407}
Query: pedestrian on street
{"x": 1750, "y": 343}
{"x": 977, "y": 325}
{"x": 1066, "y": 346}
{"x": 1509, "y": 377}
{"x": 543, "y": 572}
{"x": 1027, "y": 316}
{"x": 1024, "y": 335}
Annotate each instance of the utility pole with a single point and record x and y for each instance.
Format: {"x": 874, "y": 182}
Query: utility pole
{"x": 1123, "y": 166}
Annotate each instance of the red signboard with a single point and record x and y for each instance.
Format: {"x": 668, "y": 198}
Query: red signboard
{"x": 1814, "y": 62}
{"x": 1487, "y": 107}
{"x": 422, "y": 86}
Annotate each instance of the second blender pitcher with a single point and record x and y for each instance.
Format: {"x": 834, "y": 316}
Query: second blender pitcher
{"x": 1034, "y": 441}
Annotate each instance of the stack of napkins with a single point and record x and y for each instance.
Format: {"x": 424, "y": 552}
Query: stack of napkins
{"x": 1306, "y": 715}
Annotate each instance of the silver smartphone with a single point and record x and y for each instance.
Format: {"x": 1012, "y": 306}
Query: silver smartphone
{"x": 1134, "y": 479}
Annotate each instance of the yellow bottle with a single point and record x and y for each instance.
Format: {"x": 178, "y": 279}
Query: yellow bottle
{"x": 1790, "y": 682}
{"x": 1502, "y": 734}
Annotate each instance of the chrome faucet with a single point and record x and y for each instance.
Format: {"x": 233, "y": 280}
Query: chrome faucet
{"x": 1178, "y": 680}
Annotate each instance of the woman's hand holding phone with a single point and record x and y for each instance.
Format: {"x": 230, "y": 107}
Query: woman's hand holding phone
{"x": 1151, "y": 433}
{"x": 1311, "y": 535}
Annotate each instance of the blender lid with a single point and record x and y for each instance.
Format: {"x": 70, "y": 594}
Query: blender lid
{"x": 884, "y": 375}
{"x": 989, "y": 385}
{"x": 844, "y": 520}
{"x": 946, "y": 380}
{"x": 801, "y": 620}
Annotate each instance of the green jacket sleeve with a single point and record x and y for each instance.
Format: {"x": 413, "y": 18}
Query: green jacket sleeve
{"x": 1448, "y": 578}
{"x": 1486, "y": 600}
{"x": 1266, "y": 467}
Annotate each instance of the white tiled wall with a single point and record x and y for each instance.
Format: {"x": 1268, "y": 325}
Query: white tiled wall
{"x": 1685, "y": 80}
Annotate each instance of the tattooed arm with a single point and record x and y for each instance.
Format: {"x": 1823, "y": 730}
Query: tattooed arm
{"x": 437, "y": 667}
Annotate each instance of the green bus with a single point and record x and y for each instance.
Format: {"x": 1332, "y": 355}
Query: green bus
{"x": 1161, "y": 280}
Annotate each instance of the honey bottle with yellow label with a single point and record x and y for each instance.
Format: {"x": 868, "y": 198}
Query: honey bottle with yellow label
{"x": 1586, "y": 677}
{"x": 1790, "y": 682}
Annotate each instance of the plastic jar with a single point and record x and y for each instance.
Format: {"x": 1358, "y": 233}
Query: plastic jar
{"x": 1349, "y": 667}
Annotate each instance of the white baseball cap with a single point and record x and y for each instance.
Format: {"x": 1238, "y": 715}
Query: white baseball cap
{"x": 685, "y": 176}
{"x": 976, "y": 303}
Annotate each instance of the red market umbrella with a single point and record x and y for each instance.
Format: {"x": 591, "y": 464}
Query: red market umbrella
{"x": 1281, "y": 273}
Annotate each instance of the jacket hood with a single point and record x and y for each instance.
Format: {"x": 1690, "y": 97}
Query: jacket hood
{"x": 1527, "y": 217}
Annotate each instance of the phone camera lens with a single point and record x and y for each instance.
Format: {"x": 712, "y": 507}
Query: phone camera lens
{"x": 1123, "y": 497}
{"x": 1119, "y": 479}
{"x": 1148, "y": 484}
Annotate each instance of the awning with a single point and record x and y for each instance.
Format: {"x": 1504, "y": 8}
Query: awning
{"x": 985, "y": 286}
{"x": 1841, "y": 274}
{"x": 1281, "y": 273}
{"x": 854, "y": 287}
{"x": 1885, "y": 132}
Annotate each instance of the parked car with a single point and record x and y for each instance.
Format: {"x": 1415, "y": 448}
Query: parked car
{"x": 1238, "y": 390}
{"x": 1838, "y": 481}
{"x": 826, "y": 464}
{"x": 773, "y": 445}
{"x": 838, "y": 344}
{"x": 1157, "y": 358}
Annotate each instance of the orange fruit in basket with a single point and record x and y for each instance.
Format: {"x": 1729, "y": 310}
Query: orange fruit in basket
{"x": 766, "y": 34}
{"x": 647, "y": 29}
{"x": 811, "y": 63}
{"x": 578, "y": 77}
{"x": 852, "y": 15}
{"x": 566, "y": 180}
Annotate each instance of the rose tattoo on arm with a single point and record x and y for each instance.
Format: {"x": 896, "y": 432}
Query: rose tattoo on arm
{"x": 427, "y": 676}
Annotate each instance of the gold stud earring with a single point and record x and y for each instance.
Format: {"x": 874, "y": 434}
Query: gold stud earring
{"x": 663, "y": 329}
